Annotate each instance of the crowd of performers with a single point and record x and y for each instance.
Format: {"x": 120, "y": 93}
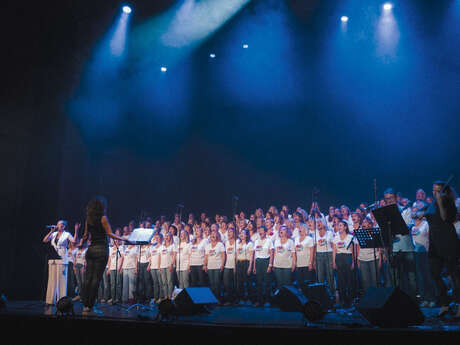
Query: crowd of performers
{"x": 246, "y": 258}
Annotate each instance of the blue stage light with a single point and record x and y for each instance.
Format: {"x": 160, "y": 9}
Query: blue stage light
{"x": 344, "y": 19}
{"x": 245, "y": 46}
{"x": 163, "y": 69}
{"x": 212, "y": 56}
{"x": 127, "y": 9}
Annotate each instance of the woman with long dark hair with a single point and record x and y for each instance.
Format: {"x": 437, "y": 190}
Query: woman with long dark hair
{"x": 342, "y": 261}
{"x": 97, "y": 224}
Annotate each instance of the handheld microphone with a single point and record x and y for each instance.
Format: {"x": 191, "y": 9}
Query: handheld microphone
{"x": 50, "y": 226}
{"x": 180, "y": 205}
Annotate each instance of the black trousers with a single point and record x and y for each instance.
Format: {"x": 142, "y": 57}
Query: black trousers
{"x": 344, "y": 278}
{"x": 437, "y": 264}
{"x": 96, "y": 261}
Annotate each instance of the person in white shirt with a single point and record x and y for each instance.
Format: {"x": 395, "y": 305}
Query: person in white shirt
{"x": 129, "y": 259}
{"x": 214, "y": 261}
{"x": 369, "y": 261}
{"x": 229, "y": 268}
{"x": 304, "y": 247}
{"x": 197, "y": 252}
{"x": 346, "y": 215}
{"x": 342, "y": 261}
{"x": 223, "y": 232}
{"x": 113, "y": 271}
{"x": 284, "y": 258}
{"x": 71, "y": 277}
{"x": 403, "y": 274}
{"x": 272, "y": 234}
{"x": 154, "y": 267}
{"x": 57, "y": 269}
{"x": 183, "y": 260}
{"x": 167, "y": 260}
{"x": 356, "y": 219}
{"x": 323, "y": 256}
{"x": 330, "y": 216}
{"x": 253, "y": 234}
{"x": 245, "y": 255}
{"x": 263, "y": 256}
{"x": 79, "y": 269}
{"x": 420, "y": 239}
{"x": 144, "y": 281}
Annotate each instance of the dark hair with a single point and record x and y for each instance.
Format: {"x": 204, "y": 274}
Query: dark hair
{"x": 347, "y": 230}
{"x": 96, "y": 210}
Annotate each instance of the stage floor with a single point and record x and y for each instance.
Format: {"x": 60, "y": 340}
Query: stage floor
{"x": 117, "y": 323}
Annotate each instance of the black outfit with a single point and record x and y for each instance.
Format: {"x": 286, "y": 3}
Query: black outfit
{"x": 444, "y": 248}
{"x": 97, "y": 256}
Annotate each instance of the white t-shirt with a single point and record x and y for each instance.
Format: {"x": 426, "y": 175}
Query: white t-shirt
{"x": 262, "y": 248}
{"x": 323, "y": 243}
{"x": 244, "y": 251}
{"x": 145, "y": 253}
{"x": 80, "y": 256}
{"x": 367, "y": 254}
{"x": 130, "y": 257}
{"x": 420, "y": 237}
{"x": 71, "y": 254}
{"x": 302, "y": 249}
{"x": 230, "y": 251}
{"x": 223, "y": 236}
{"x": 215, "y": 255}
{"x": 341, "y": 245}
{"x": 283, "y": 253}
{"x": 197, "y": 251}
{"x": 113, "y": 258}
{"x": 272, "y": 234}
{"x": 183, "y": 255}
{"x": 166, "y": 255}
{"x": 154, "y": 257}
{"x": 255, "y": 236}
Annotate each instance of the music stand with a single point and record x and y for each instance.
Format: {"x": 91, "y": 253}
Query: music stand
{"x": 391, "y": 223}
{"x": 370, "y": 238}
{"x": 139, "y": 237}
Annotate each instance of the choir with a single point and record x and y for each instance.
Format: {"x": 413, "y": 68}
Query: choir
{"x": 246, "y": 259}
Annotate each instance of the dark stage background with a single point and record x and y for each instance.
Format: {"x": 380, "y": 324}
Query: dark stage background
{"x": 309, "y": 103}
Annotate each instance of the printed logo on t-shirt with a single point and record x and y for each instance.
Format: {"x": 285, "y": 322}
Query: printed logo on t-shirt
{"x": 415, "y": 232}
{"x": 258, "y": 248}
{"x": 212, "y": 252}
{"x": 341, "y": 245}
{"x": 299, "y": 248}
{"x": 164, "y": 251}
{"x": 230, "y": 250}
{"x": 280, "y": 249}
{"x": 321, "y": 242}
{"x": 194, "y": 249}
{"x": 240, "y": 250}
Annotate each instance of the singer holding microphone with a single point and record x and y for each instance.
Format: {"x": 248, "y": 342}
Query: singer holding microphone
{"x": 97, "y": 224}
{"x": 58, "y": 268}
